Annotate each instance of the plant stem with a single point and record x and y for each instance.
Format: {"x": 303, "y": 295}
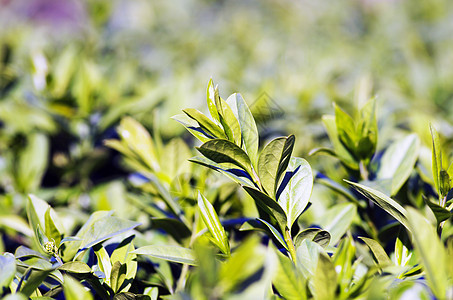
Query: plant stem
{"x": 290, "y": 244}
{"x": 363, "y": 171}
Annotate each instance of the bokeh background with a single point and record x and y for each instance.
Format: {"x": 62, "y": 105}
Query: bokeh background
{"x": 70, "y": 70}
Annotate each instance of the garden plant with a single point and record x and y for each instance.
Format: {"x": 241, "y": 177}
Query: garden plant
{"x": 123, "y": 176}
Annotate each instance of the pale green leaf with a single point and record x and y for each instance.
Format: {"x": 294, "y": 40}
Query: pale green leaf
{"x": 383, "y": 201}
{"x": 398, "y": 161}
{"x": 75, "y": 267}
{"x": 8, "y": 270}
{"x": 296, "y": 193}
{"x": 379, "y": 253}
{"x": 212, "y": 222}
{"x": 170, "y": 253}
{"x": 337, "y": 220}
{"x": 430, "y": 251}
{"x": 105, "y": 228}
{"x": 74, "y": 290}
{"x": 324, "y": 279}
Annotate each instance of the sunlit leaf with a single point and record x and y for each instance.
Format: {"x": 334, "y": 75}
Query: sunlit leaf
{"x": 379, "y": 253}
{"x": 398, "y": 161}
{"x": 171, "y": 253}
{"x": 430, "y": 250}
{"x": 386, "y": 203}
{"x": 298, "y": 184}
{"x": 273, "y": 161}
{"x": 211, "y": 220}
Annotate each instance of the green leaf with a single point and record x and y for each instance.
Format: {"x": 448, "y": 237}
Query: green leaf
{"x": 230, "y": 123}
{"x": 398, "y": 161}
{"x": 229, "y": 172}
{"x": 34, "y": 281}
{"x": 117, "y": 276}
{"x": 386, "y": 203}
{"x": 130, "y": 296}
{"x": 211, "y": 220}
{"x": 262, "y": 225}
{"x": 136, "y": 138}
{"x": 75, "y": 267}
{"x": 8, "y": 270}
{"x": 289, "y": 281}
{"x": 379, "y": 253}
{"x": 346, "y": 129}
{"x": 307, "y": 257}
{"x": 74, "y": 290}
{"x": 337, "y": 220}
{"x": 205, "y": 123}
{"x": 210, "y": 98}
{"x": 51, "y": 229}
{"x": 324, "y": 279}
{"x": 273, "y": 161}
{"x": 223, "y": 151}
{"x": 33, "y": 160}
{"x": 368, "y": 131}
{"x": 436, "y": 158}
{"x": 268, "y": 205}
{"x": 177, "y": 229}
{"x": 170, "y": 253}
{"x": 246, "y": 260}
{"x": 249, "y": 131}
{"x": 103, "y": 261}
{"x": 345, "y": 156}
{"x": 193, "y": 127}
{"x": 123, "y": 254}
{"x": 317, "y": 235}
{"x": 439, "y": 212}
{"x": 430, "y": 251}
{"x": 296, "y": 193}
{"x": 105, "y": 228}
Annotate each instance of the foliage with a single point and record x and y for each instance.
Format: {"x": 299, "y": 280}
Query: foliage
{"x": 105, "y": 196}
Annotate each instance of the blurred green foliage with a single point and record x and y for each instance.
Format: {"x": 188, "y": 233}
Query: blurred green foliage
{"x": 87, "y": 92}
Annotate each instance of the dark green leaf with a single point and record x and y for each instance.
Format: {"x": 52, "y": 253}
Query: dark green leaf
{"x": 268, "y": 205}
{"x": 223, "y": 151}
{"x": 34, "y": 281}
{"x": 260, "y": 224}
{"x": 177, "y": 229}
